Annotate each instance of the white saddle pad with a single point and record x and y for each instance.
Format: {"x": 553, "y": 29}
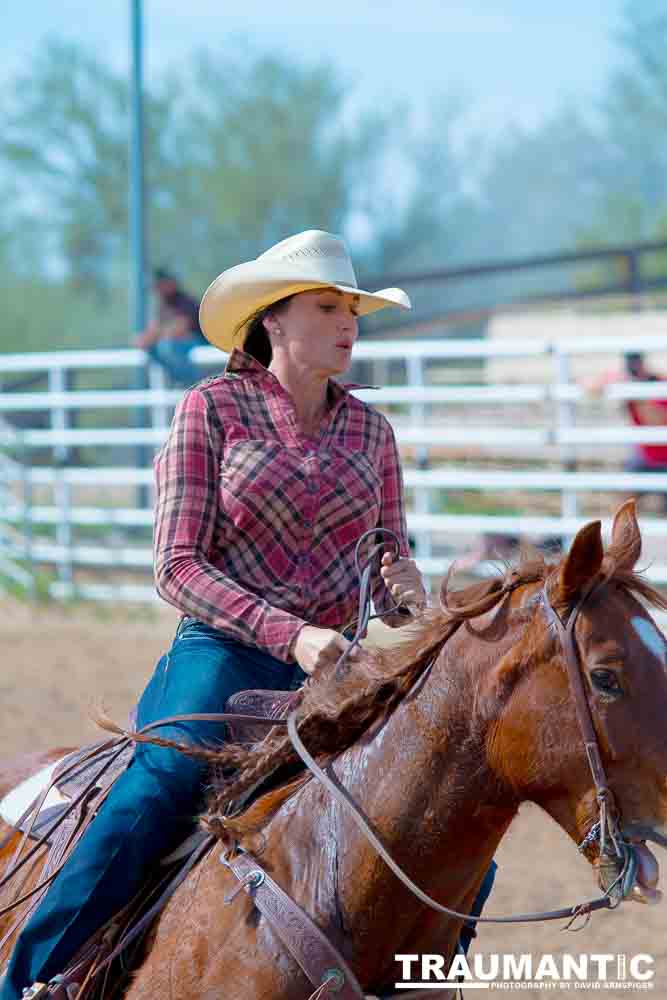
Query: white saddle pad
{"x": 15, "y": 803}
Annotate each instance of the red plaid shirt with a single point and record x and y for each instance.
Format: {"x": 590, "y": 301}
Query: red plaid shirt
{"x": 256, "y": 523}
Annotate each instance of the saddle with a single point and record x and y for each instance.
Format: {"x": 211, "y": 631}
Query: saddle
{"x": 91, "y": 771}
{"x": 270, "y": 704}
{"x": 87, "y": 775}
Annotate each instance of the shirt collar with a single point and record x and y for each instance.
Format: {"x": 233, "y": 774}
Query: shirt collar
{"x": 242, "y": 365}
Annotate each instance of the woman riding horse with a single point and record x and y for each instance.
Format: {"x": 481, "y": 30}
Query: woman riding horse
{"x": 270, "y": 474}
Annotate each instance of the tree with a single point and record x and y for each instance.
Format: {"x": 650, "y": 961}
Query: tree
{"x": 633, "y": 147}
{"x": 242, "y": 151}
{"x": 635, "y": 113}
{"x": 65, "y": 141}
{"x": 422, "y": 213}
{"x": 260, "y": 151}
{"x": 238, "y": 156}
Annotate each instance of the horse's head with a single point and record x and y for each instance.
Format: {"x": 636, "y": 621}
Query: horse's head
{"x": 537, "y": 742}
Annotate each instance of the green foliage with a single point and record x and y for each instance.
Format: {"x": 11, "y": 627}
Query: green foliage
{"x": 260, "y": 150}
{"x": 242, "y": 150}
{"x": 533, "y": 190}
{"x": 620, "y": 221}
{"x": 41, "y": 314}
{"x": 39, "y": 591}
{"x": 474, "y": 502}
{"x": 239, "y": 154}
{"x": 635, "y": 111}
{"x": 65, "y": 136}
{"x": 633, "y": 204}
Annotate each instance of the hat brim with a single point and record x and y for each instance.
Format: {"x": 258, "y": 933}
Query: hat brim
{"x": 233, "y": 299}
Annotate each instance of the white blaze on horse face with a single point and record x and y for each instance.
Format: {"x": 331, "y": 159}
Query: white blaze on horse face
{"x": 651, "y": 637}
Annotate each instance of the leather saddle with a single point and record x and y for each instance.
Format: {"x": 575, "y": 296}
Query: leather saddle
{"x": 89, "y": 774}
{"x": 72, "y": 778}
{"x": 269, "y": 704}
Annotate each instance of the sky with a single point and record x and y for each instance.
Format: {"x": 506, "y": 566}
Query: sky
{"x": 511, "y": 59}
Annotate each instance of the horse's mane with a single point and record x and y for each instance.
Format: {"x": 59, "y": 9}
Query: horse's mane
{"x": 335, "y": 711}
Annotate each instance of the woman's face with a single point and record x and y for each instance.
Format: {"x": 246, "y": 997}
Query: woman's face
{"x": 318, "y": 330}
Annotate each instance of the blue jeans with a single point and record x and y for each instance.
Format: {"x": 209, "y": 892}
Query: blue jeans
{"x": 468, "y": 929}
{"x": 151, "y": 807}
{"x": 174, "y": 356}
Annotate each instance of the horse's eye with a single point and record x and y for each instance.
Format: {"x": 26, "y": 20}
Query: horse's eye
{"x": 606, "y": 681}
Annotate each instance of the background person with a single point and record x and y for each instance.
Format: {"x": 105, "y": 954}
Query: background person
{"x": 642, "y": 413}
{"x": 170, "y": 338}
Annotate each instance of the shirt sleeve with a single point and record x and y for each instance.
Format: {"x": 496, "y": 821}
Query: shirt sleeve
{"x": 392, "y": 513}
{"x": 187, "y": 510}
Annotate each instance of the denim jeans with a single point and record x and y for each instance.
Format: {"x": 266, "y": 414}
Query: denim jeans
{"x": 468, "y": 929}
{"x": 174, "y": 356}
{"x": 151, "y": 807}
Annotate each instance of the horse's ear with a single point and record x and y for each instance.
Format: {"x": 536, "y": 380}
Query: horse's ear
{"x": 582, "y": 562}
{"x": 626, "y": 539}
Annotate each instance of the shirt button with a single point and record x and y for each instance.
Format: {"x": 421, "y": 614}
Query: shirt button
{"x": 307, "y": 523}
{"x": 312, "y": 487}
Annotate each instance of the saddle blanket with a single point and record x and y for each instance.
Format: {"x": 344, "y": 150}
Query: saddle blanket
{"x": 15, "y": 803}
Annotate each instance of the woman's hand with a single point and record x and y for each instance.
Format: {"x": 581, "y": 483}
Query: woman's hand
{"x": 404, "y": 581}
{"x": 316, "y": 647}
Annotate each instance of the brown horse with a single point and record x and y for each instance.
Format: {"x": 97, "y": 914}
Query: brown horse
{"x": 440, "y": 761}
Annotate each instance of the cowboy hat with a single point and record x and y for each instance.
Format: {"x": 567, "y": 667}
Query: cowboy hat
{"x": 313, "y": 259}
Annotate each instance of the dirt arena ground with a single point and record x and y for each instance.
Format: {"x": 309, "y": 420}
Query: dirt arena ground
{"x": 57, "y": 660}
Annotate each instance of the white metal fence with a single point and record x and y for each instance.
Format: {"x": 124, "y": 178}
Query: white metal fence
{"x": 506, "y": 460}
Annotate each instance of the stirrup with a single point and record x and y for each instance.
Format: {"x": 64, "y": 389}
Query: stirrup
{"x": 35, "y": 991}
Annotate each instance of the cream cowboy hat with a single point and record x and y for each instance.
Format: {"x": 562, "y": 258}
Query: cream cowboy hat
{"x": 313, "y": 259}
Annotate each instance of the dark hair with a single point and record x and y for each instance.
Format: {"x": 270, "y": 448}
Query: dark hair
{"x": 162, "y": 274}
{"x": 257, "y": 342}
{"x": 633, "y": 362}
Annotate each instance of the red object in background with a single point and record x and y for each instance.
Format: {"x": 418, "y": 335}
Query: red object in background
{"x": 653, "y": 454}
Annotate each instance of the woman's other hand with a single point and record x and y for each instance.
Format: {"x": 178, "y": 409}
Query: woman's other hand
{"x": 317, "y": 647}
{"x": 404, "y": 581}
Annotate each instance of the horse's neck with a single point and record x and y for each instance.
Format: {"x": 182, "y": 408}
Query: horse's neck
{"x": 424, "y": 784}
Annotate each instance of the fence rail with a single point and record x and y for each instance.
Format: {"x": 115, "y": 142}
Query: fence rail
{"x": 508, "y": 443}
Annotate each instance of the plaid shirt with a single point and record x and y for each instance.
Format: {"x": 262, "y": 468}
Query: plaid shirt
{"x": 256, "y": 523}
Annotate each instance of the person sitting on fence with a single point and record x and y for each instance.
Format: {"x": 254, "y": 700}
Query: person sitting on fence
{"x": 270, "y": 474}
{"x": 171, "y": 337}
{"x": 642, "y": 413}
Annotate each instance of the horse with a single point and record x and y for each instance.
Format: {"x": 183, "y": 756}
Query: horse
{"x": 438, "y": 741}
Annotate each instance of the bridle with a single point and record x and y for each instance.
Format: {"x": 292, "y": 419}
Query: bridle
{"x": 615, "y": 851}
